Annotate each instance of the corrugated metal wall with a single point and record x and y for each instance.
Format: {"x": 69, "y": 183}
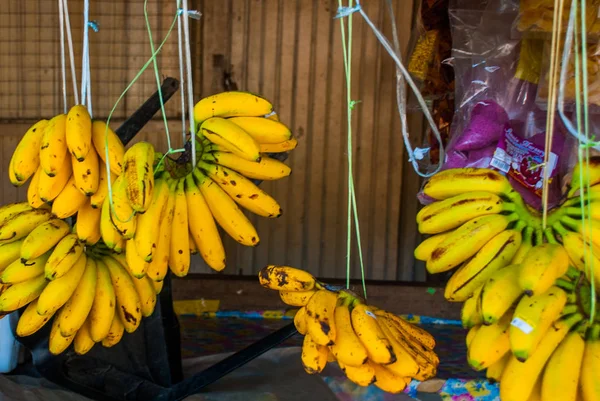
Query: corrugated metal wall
{"x": 288, "y": 51}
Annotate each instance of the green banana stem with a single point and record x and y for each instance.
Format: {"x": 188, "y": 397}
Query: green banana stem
{"x": 571, "y": 297}
{"x": 520, "y": 225}
{"x": 573, "y": 273}
{"x": 594, "y": 332}
{"x": 565, "y": 284}
{"x": 559, "y": 228}
{"x": 523, "y": 211}
{"x": 539, "y": 236}
{"x": 570, "y": 223}
{"x": 582, "y": 327}
{"x": 550, "y": 235}
{"x": 570, "y": 309}
{"x": 572, "y": 319}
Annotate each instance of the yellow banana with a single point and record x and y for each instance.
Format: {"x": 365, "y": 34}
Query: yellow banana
{"x": 526, "y": 245}
{"x": 231, "y": 104}
{"x": 404, "y": 363}
{"x": 146, "y": 293}
{"x": 578, "y": 249}
{"x": 320, "y": 320}
{"x": 278, "y": 147}
{"x": 226, "y": 212}
{"x": 519, "y": 378}
{"x": 138, "y": 170}
{"x": 286, "y": 278}
{"x": 314, "y": 356}
{"x": 202, "y": 227}
{"x": 494, "y": 255}
{"x": 20, "y": 225}
{"x": 589, "y": 381}
{"x": 10, "y": 210}
{"x": 43, "y": 238}
{"x": 532, "y": 319}
{"x": 147, "y": 235}
{"x": 387, "y": 380}
{"x": 490, "y": 343}
{"x": 471, "y": 334}
{"x": 64, "y": 256}
{"x": 12, "y": 177}
{"x": 347, "y": 348}
{"x": 57, "y": 344}
{"x": 76, "y": 310}
{"x": 266, "y": 169}
{"x": 98, "y": 197}
{"x": 410, "y": 330}
{"x": 88, "y": 224}
{"x": 68, "y": 201}
{"x": 103, "y": 308}
{"x": 179, "y": 242}
{"x": 300, "y": 321}
{"x": 499, "y": 293}
{"x": 83, "y": 342}
{"x": 541, "y": 267}
{"x": 115, "y": 334}
{"x": 586, "y": 171}
{"x": 467, "y": 240}
{"x": 159, "y": 266}
{"x": 158, "y": 285}
{"x": 192, "y": 242}
{"x": 470, "y": 313}
{"x": 129, "y": 306}
{"x": 561, "y": 374}
{"x": 122, "y": 214}
{"x": 30, "y": 321}
{"x": 363, "y": 375}
{"x": 20, "y": 270}
{"x": 50, "y": 187}
{"x": 25, "y": 160}
{"x": 452, "y": 182}
{"x": 263, "y": 130}
{"x": 231, "y": 137}
{"x": 242, "y": 190}
{"x": 53, "y": 145}
{"x": 296, "y": 298}
{"x": 78, "y": 132}
{"x": 453, "y": 212}
{"x": 18, "y": 295}
{"x": 60, "y": 290}
{"x": 10, "y": 252}
{"x": 110, "y": 235}
{"x": 137, "y": 265}
{"x": 106, "y": 141}
{"x": 33, "y": 195}
{"x": 494, "y": 372}
{"x": 87, "y": 173}
{"x": 425, "y": 248}
{"x": 366, "y": 326}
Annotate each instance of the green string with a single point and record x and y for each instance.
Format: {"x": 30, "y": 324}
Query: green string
{"x": 352, "y": 206}
{"x": 140, "y": 72}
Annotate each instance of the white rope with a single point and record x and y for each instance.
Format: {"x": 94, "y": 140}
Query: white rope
{"x": 181, "y": 74}
{"x": 84, "y": 58}
{"x": 63, "y": 60}
{"x": 190, "y": 86}
{"x": 70, "y": 47}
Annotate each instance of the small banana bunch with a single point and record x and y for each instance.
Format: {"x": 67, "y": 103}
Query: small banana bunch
{"x": 65, "y": 161}
{"x": 370, "y": 345}
{"x": 88, "y": 291}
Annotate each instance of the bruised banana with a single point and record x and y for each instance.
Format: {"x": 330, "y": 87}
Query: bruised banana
{"x": 138, "y": 172}
{"x": 366, "y": 326}
{"x": 320, "y": 318}
{"x": 314, "y": 356}
{"x": 450, "y": 213}
{"x": 467, "y": 240}
{"x": 296, "y": 298}
{"x": 425, "y": 248}
{"x": 286, "y": 278}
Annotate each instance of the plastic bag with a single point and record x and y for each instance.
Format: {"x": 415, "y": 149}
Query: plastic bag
{"x": 536, "y": 16}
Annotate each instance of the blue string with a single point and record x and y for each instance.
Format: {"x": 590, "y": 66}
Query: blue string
{"x": 346, "y": 11}
{"x": 94, "y": 25}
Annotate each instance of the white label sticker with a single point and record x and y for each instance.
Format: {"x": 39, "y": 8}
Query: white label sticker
{"x": 371, "y": 314}
{"x": 521, "y": 325}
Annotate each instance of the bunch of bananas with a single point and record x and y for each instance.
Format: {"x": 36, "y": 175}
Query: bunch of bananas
{"x": 370, "y": 345}
{"x": 526, "y": 289}
{"x": 88, "y": 290}
{"x": 188, "y": 202}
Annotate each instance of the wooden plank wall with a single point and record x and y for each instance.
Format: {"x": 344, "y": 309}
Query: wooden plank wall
{"x": 290, "y": 52}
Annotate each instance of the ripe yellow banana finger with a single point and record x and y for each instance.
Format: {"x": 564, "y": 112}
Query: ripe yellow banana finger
{"x": 64, "y": 256}
{"x": 500, "y": 292}
{"x": 87, "y": 173}
{"x": 49, "y": 187}
{"x": 159, "y": 266}
{"x": 542, "y": 265}
{"x": 263, "y": 130}
{"x": 526, "y": 245}
{"x": 138, "y": 172}
{"x": 179, "y": 242}
{"x": 20, "y": 270}
{"x": 122, "y": 214}
{"x": 33, "y": 195}
{"x": 16, "y": 296}
{"x": 53, "y": 145}
{"x": 409, "y": 329}
{"x": 83, "y": 342}
{"x": 110, "y": 235}
{"x": 20, "y": 225}
{"x": 202, "y": 228}
{"x": 76, "y": 310}
{"x": 300, "y": 321}
{"x": 78, "y": 132}
{"x": 363, "y": 375}
{"x": 10, "y": 252}
{"x": 43, "y": 238}
{"x": 467, "y": 240}
{"x": 242, "y": 190}
{"x": 103, "y": 308}
{"x": 231, "y": 104}
{"x": 452, "y": 182}
{"x": 109, "y": 147}
{"x": 471, "y": 313}
{"x": 31, "y": 321}
{"x": 578, "y": 249}
{"x": 490, "y": 344}
{"x": 286, "y": 278}
{"x": 69, "y": 200}
{"x": 589, "y": 381}
{"x": 278, "y": 147}
{"x": 147, "y": 236}
{"x": 129, "y": 307}
{"x": 586, "y": 171}
{"x": 450, "y": 213}
{"x": 314, "y": 356}
{"x": 561, "y": 374}
{"x": 425, "y": 248}
{"x": 60, "y": 290}
{"x": 366, "y": 326}
{"x": 387, "y": 381}
{"x": 115, "y": 334}
{"x": 494, "y": 255}
{"x": 10, "y": 210}
{"x": 494, "y": 372}
{"x": 57, "y": 344}
{"x": 98, "y": 197}
{"x": 348, "y": 349}
{"x": 11, "y": 175}
{"x": 88, "y": 224}
{"x": 320, "y": 318}
{"x": 265, "y": 169}
{"x": 296, "y": 298}
{"x": 25, "y": 160}
{"x": 230, "y": 136}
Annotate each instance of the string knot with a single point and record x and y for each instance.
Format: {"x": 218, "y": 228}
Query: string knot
{"x": 346, "y": 11}
{"x": 94, "y": 25}
{"x": 194, "y": 14}
{"x": 418, "y": 154}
